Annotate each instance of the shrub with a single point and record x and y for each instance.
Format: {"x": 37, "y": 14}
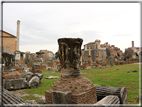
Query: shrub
{"x": 27, "y": 61}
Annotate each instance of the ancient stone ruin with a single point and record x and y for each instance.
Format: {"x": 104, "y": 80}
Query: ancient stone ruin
{"x": 13, "y": 79}
{"x": 71, "y": 87}
{"x": 8, "y": 60}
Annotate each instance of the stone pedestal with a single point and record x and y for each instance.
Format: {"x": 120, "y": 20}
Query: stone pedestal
{"x": 97, "y": 58}
{"x": 71, "y": 81}
{"x": 89, "y": 60}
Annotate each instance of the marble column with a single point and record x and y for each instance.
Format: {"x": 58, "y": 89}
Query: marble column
{"x": 18, "y": 33}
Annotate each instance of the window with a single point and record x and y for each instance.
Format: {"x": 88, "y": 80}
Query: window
{"x": 7, "y": 49}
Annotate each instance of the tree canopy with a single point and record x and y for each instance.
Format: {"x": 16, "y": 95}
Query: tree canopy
{"x": 57, "y": 54}
{"x": 39, "y": 53}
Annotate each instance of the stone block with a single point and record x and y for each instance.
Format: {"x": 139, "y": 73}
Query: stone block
{"x": 134, "y": 71}
{"x": 42, "y": 100}
{"x": 11, "y": 75}
{"x": 11, "y": 84}
{"x": 127, "y": 71}
{"x": 88, "y": 97}
{"x": 59, "y": 97}
{"x": 34, "y": 82}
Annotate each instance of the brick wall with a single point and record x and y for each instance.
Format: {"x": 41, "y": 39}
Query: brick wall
{"x": 21, "y": 62}
{"x": 42, "y": 67}
{"x": 9, "y": 41}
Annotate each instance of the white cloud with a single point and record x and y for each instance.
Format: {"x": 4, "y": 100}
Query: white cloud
{"x": 43, "y": 23}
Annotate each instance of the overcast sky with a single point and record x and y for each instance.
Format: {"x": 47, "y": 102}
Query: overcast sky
{"x": 43, "y": 23}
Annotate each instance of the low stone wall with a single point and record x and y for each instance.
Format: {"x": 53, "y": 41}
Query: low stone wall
{"x": 29, "y": 65}
{"x": 42, "y": 67}
{"x": 18, "y": 69}
{"x": 21, "y": 62}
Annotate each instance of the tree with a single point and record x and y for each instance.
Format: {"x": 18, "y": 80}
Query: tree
{"x": 136, "y": 54}
{"x": 39, "y": 53}
{"x": 57, "y": 54}
{"x": 21, "y": 53}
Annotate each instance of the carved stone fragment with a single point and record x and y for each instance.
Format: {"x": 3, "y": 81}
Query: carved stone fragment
{"x": 69, "y": 55}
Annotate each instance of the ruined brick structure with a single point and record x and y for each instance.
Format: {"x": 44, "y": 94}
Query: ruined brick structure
{"x": 47, "y": 54}
{"x": 101, "y": 53}
{"x": 9, "y": 42}
{"x": 82, "y": 90}
{"x": 94, "y": 47}
{"x": 130, "y": 51}
{"x": 30, "y": 56}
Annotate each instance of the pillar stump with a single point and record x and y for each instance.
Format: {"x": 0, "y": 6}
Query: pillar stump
{"x": 97, "y": 58}
{"x": 71, "y": 87}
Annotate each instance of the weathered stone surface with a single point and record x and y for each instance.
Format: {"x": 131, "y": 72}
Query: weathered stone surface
{"x": 8, "y": 60}
{"x": 102, "y": 91}
{"x": 134, "y": 71}
{"x": 127, "y": 71}
{"x": 28, "y": 76}
{"x": 79, "y": 86}
{"x": 11, "y": 75}
{"x": 34, "y": 81}
{"x": 11, "y": 84}
{"x": 69, "y": 55}
{"x": 102, "y": 67}
{"x": 82, "y": 90}
{"x": 36, "y": 68}
{"x": 59, "y": 97}
{"x": 39, "y": 75}
{"x": 36, "y": 95}
{"x": 42, "y": 100}
{"x": 51, "y": 77}
{"x": 31, "y": 101}
{"x": 111, "y": 99}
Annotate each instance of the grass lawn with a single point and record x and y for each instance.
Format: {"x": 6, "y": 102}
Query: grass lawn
{"x": 108, "y": 77}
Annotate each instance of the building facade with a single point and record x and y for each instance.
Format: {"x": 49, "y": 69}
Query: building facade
{"x": 47, "y": 54}
{"x": 9, "y": 42}
{"x": 95, "y": 49}
{"x": 132, "y": 51}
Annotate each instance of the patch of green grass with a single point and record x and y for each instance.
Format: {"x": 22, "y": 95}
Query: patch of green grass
{"x": 31, "y": 97}
{"x": 117, "y": 78}
{"x": 107, "y": 77}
